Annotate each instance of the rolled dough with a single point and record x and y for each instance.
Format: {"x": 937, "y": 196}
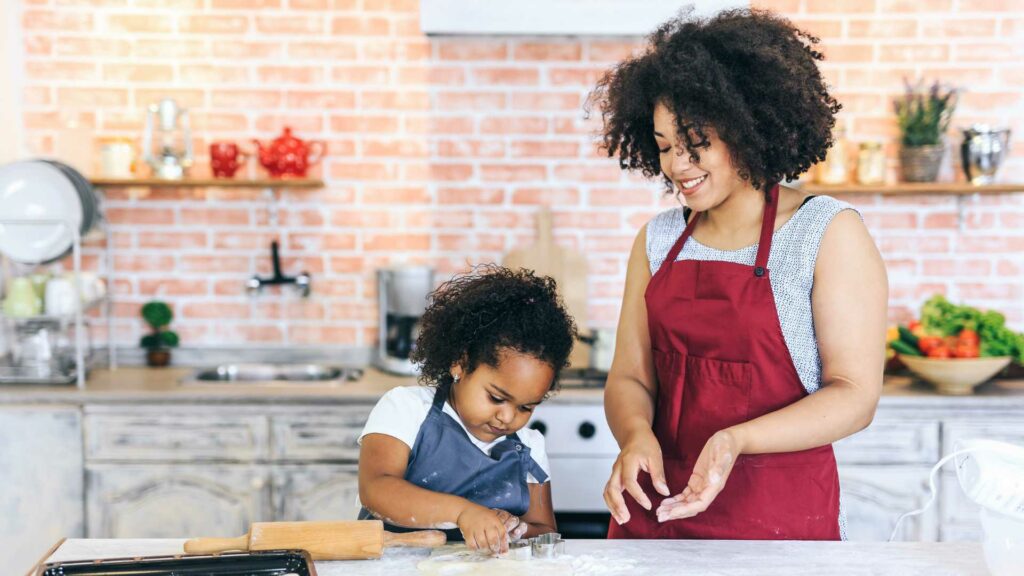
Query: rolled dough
{"x": 461, "y": 561}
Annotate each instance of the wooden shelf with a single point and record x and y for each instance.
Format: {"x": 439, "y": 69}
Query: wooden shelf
{"x": 906, "y": 189}
{"x": 308, "y": 183}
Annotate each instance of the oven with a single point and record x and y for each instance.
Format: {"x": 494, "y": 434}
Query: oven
{"x": 581, "y": 451}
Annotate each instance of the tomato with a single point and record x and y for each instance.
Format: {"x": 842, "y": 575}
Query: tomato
{"x": 928, "y": 343}
{"x": 969, "y": 337}
{"x": 965, "y": 351}
{"x": 913, "y": 324}
{"x": 915, "y": 328}
{"x": 940, "y": 352}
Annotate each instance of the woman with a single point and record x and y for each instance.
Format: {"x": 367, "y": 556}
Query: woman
{"x": 753, "y": 322}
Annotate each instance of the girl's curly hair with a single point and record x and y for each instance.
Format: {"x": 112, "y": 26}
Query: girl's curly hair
{"x": 471, "y": 319}
{"x": 749, "y": 74}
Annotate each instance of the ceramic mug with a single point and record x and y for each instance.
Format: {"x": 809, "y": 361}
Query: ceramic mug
{"x": 225, "y": 159}
{"x": 61, "y": 297}
{"x": 21, "y": 299}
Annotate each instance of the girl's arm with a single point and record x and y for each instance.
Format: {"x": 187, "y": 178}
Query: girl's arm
{"x": 541, "y": 516}
{"x": 384, "y": 491}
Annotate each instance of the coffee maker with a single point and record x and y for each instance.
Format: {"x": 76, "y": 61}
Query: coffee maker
{"x": 402, "y": 293}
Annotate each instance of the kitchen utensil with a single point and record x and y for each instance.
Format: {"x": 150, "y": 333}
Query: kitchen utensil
{"x": 174, "y": 154}
{"x": 567, "y": 267}
{"x": 225, "y": 158}
{"x": 520, "y": 550}
{"x": 981, "y": 152}
{"x": 352, "y": 540}
{"x": 61, "y": 298}
{"x": 272, "y": 563}
{"x": 288, "y": 156}
{"x": 21, "y": 300}
{"x": 34, "y": 190}
{"x": 86, "y": 194}
{"x": 955, "y": 376}
{"x": 991, "y": 474}
{"x": 548, "y": 545}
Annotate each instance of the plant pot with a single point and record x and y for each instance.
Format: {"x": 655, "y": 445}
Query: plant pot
{"x": 158, "y": 357}
{"x": 921, "y": 163}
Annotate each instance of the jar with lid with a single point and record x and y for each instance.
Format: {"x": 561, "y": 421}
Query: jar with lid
{"x": 870, "y": 163}
{"x": 833, "y": 170}
{"x": 117, "y": 157}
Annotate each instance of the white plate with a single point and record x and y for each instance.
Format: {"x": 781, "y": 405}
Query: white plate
{"x": 31, "y": 190}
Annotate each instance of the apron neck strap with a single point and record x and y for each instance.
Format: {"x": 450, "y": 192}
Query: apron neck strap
{"x": 764, "y": 246}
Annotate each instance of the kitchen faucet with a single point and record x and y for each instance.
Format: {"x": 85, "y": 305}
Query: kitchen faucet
{"x": 302, "y": 281}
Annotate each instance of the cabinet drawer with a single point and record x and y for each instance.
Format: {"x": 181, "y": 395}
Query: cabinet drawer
{"x": 891, "y": 442}
{"x": 322, "y": 436}
{"x": 1004, "y": 429}
{"x": 176, "y": 437}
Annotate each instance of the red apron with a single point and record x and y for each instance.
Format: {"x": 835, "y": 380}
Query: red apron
{"x": 721, "y": 360}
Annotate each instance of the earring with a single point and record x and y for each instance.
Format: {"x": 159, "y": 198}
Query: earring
{"x": 455, "y": 378}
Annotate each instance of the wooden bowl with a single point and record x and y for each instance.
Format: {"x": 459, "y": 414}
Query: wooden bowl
{"x": 956, "y": 376}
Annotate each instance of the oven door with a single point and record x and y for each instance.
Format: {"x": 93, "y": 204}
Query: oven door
{"x": 577, "y": 493}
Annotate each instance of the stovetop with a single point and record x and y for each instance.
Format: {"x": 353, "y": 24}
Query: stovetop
{"x": 582, "y": 378}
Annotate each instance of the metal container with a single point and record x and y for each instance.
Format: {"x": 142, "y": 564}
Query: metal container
{"x": 982, "y": 151}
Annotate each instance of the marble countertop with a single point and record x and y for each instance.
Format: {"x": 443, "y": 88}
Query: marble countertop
{"x": 649, "y": 557}
{"x": 161, "y": 385}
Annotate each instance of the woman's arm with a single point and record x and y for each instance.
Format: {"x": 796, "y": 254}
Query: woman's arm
{"x": 631, "y": 391}
{"x": 849, "y": 302}
{"x": 541, "y": 515}
{"x": 384, "y": 491}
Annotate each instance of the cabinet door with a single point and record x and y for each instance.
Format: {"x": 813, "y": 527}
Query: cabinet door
{"x": 316, "y": 492}
{"x": 41, "y": 477}
{"x": 874, "y": 497}
{"x": 175, "y": 501}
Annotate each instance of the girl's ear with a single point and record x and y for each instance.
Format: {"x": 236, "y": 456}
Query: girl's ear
{"x": 457, "y": 372}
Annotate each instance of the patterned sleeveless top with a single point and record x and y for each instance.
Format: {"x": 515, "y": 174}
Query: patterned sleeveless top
{"x": 791, "y": 261}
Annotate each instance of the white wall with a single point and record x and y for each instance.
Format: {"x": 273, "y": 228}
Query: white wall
{"x": 11, "y": 127}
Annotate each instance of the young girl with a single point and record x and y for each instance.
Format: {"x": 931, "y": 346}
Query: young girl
{"x": 454, "y": 454}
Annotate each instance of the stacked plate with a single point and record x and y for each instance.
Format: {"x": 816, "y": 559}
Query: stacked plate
{"x": 41, "y": 203}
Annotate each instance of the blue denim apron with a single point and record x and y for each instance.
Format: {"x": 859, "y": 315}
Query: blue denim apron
{"x": 444, "y": 459}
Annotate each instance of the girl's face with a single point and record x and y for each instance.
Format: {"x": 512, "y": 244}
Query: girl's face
{"x": 704, "y": 185}
{"x": 495, "y": 401}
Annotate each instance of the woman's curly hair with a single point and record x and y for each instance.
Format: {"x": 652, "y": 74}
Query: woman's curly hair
{"x": 472, "y": 318}
{"x": 749, "y": 74}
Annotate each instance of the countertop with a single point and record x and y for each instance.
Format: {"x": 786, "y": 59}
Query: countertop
{"x": 653, "y": 557}
{"x": 162, "y": 385}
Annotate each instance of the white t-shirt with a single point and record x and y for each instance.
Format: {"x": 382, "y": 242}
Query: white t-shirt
{"x": 401, "y": 412}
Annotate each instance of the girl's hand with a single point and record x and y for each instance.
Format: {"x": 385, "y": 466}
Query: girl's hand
{"x": 513, "y": 524}
{"x": 709, "y": 475}
{"x": 642, "y": 452}
{"x": 484, "y": 528}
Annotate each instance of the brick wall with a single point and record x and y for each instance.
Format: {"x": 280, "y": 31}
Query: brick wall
{"x": 441, "y": 149}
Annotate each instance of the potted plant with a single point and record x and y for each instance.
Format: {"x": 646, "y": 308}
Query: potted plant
{"x": 159, "y": 342}
{"x": 923, "y": 117}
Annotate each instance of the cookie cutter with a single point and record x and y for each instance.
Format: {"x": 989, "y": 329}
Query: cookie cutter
{"x": 548, "y": 545}
{"x": 520, "y": 549}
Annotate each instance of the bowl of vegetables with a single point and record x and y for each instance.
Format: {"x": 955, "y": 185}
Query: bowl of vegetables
{"x": 956, "y": 347}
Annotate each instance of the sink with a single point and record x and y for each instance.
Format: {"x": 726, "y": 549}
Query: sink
{"x": 274, "y": 374}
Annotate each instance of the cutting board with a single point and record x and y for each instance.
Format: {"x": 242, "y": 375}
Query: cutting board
{"x": 569, "y": 269}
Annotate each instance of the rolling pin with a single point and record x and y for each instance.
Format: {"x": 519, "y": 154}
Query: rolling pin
{"x": 352, "y": 540}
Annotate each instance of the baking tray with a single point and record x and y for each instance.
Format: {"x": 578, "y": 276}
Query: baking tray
{"x": 264, "y": 563}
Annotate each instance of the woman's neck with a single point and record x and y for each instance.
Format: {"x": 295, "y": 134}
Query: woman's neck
{"x": 737, "y": 216}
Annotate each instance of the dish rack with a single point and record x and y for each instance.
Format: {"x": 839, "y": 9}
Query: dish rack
{"x": 10, "y": 374}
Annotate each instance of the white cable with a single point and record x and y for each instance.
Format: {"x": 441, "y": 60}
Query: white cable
{"x": 931, "y": 487}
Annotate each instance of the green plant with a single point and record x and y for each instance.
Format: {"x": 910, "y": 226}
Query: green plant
{"x": 158, "y": 315}
{"x": 923, "y": 116}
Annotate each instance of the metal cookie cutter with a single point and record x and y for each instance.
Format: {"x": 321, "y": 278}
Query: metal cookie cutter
{"x": 547, "y": 545}
{"x": 520, "y": 549}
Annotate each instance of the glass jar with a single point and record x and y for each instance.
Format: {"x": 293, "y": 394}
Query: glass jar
{"x": 833, "y": 171}
{"x": 871, "y": 163}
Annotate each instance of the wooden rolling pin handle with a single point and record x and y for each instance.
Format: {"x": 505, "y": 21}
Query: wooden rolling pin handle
{"x": 213, "y": 545}
{"x": 418, "y": 539}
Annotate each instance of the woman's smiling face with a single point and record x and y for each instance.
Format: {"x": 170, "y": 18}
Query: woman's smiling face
{"x": 702, "y": 185}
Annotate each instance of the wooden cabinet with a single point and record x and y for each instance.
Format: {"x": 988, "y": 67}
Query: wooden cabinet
{"x": 175, "y": 500}
{"x": 316, "y": 492}
{"x": 41, "y": 474}
{"x": 873, "y": 497}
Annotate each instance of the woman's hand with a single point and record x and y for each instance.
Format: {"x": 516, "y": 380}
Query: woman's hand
{"x": 708, "y": 478}
{"x": 642, "y": 452}
{"x": 484, "y": 528}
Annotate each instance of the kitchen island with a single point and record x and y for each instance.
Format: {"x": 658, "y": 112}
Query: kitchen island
{"x": 648, "y": 557}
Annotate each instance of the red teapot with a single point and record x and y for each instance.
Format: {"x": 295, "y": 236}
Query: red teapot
{"x": 288, "y": 156}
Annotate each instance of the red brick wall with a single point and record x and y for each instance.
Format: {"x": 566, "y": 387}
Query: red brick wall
{"x": 442, "y": 148}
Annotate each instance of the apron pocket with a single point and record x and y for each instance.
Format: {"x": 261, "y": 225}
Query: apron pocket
{"x": 716, "y": 395}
